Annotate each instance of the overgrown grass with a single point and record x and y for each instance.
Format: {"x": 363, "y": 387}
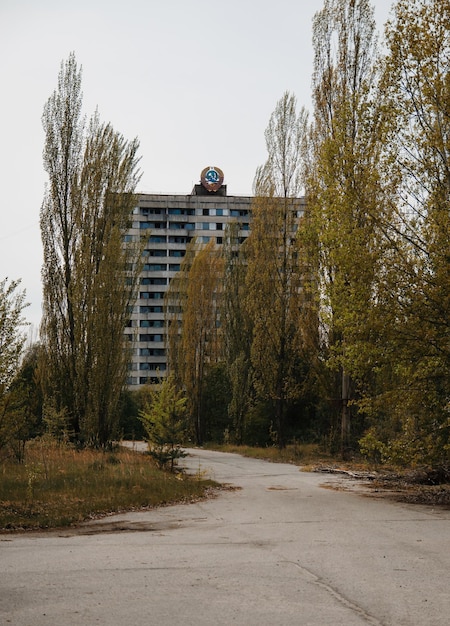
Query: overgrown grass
{"x": 58, "y": 486}
{"x": 298, "y": 453}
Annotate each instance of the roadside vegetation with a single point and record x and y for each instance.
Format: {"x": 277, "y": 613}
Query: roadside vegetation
{"x": 328, "y": 325}
{"x": 413, "y": 484}
{"x": 59, "y": 486}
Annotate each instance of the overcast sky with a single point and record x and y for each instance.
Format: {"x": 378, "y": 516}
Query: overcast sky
{"x": 194, "y": 80}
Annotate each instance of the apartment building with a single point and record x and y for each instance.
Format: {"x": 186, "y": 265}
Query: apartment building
{"x": 171, "y": 222}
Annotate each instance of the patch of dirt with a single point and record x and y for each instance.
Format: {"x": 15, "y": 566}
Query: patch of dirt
{"x": 106, "y": 526}
{"x": 426, "y": 487}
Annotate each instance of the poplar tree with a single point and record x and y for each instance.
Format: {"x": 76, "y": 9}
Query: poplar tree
{"x": 89, "y": 273}
{"x": 417, "y": 282}
{"x": 193, "y": 305}
{"x": 14, "y": 425}
{"x": 12, "y": 340}
{"x": 237, "y": 332}
{"x": 273, "y": 279}
{"x": 344, "y": 195}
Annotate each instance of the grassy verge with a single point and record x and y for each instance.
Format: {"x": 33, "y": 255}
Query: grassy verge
{"x": 57, "y": 486}
{"x": 411, "y": 485}
{"x": 298, "y": 454}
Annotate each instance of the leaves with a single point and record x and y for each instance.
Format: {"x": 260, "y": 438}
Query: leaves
{"x": 90, "y": 275}
{"x": 163, "y": 420}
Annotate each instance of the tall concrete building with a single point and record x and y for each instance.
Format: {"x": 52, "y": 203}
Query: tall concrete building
{"x": 171, "y": 222}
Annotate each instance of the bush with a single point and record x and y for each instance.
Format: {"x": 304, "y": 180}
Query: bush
{"x": 162, "y": 419}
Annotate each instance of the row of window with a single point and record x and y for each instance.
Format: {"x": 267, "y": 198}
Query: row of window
{"x": 188, "y": 225}
{"x": 160, "y": 267}
{"x": 172, "y": 239}
{"x": 170, "y": 225}
{"x": 146, "y": 211}
{"x": 151, "y": 295}
{"x": 159, "y": 253}
{"x": 152, "y": 366}
{"x": 153, "y": 281}
{"x": 151, "y": 338}
{"x": 179, "y": 211}
{"x": 152, "y": 352}
{"x": 186, "y": 240}
{"x": 151, "y": 323}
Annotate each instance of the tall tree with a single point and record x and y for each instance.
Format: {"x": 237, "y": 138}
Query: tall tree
{"x": 343, "y": 190}
{"x": 417, "y": 86}
{"x": 273, "y": 278}
{"x": 237, "y": 331}
{"x": 89, "y": 275}
{"x": 195, "y": 345}
{"x": 12, "y": 340}
{"x": 12, "y": 303}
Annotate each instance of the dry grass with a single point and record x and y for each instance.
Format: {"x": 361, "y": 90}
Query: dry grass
{"x": 417, "y": 486}
{"x": 58, "y": 486}
{"x": 299, "y": 454}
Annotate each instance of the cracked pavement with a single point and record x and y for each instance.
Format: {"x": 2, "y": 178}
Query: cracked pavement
{"x": 280, "y": 549}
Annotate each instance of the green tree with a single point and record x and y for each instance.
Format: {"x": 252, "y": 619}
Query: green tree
{"x": 192, "y": 309}
{"x": 163, "y": 420}
{"x": 344, "y": 195}
{"x": 89, "y": 275}
{"x": 273, "y": 276}
{"x": 416, "y": 385}
{"x": 12, "y": 341}
{"x": 237, "y": 334}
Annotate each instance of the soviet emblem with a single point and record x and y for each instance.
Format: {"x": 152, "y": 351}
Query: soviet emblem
{"x": 211, "y": 178}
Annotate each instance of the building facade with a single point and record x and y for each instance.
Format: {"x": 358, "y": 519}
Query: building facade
{"x": 169, "y": 223}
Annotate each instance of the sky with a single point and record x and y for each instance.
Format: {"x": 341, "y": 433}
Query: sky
{"x": 194, "y": 80}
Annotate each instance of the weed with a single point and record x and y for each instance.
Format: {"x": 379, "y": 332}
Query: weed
{"x": 75, "y": 485}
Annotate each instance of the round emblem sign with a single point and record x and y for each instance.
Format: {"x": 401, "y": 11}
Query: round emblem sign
{"x": 212, "y": 178}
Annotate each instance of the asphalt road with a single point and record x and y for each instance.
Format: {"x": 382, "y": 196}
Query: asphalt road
{"x": 282, "y": 549}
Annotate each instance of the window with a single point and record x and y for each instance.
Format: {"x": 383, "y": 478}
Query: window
{"x": 152, "y": 352}
{"x": 152, "y": 366}
{"x": 152, "y": 295}
{"x": 151, "y": 324}
{"x": 178, "y": 239}
{"x": 174, "y": 267}
{"x": 153, "y": 281}
{"x": 150, "y": 309}
{"x": 150, "y": 338}
{"x": 154, "y": 267}
{"x": 177, "y": 253}
{"x": 177, "y": 225}
{"x": 176, "y": 211}
{"x": 146, "y": 211}
{"x": 237, "y": 213}
{"x": 157, "y": 239}
{"x": 154, "y": 253}
{"x": 205, "y": 211}
{"x": 152, "y": 225}
{"x": 158, "y": 366}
